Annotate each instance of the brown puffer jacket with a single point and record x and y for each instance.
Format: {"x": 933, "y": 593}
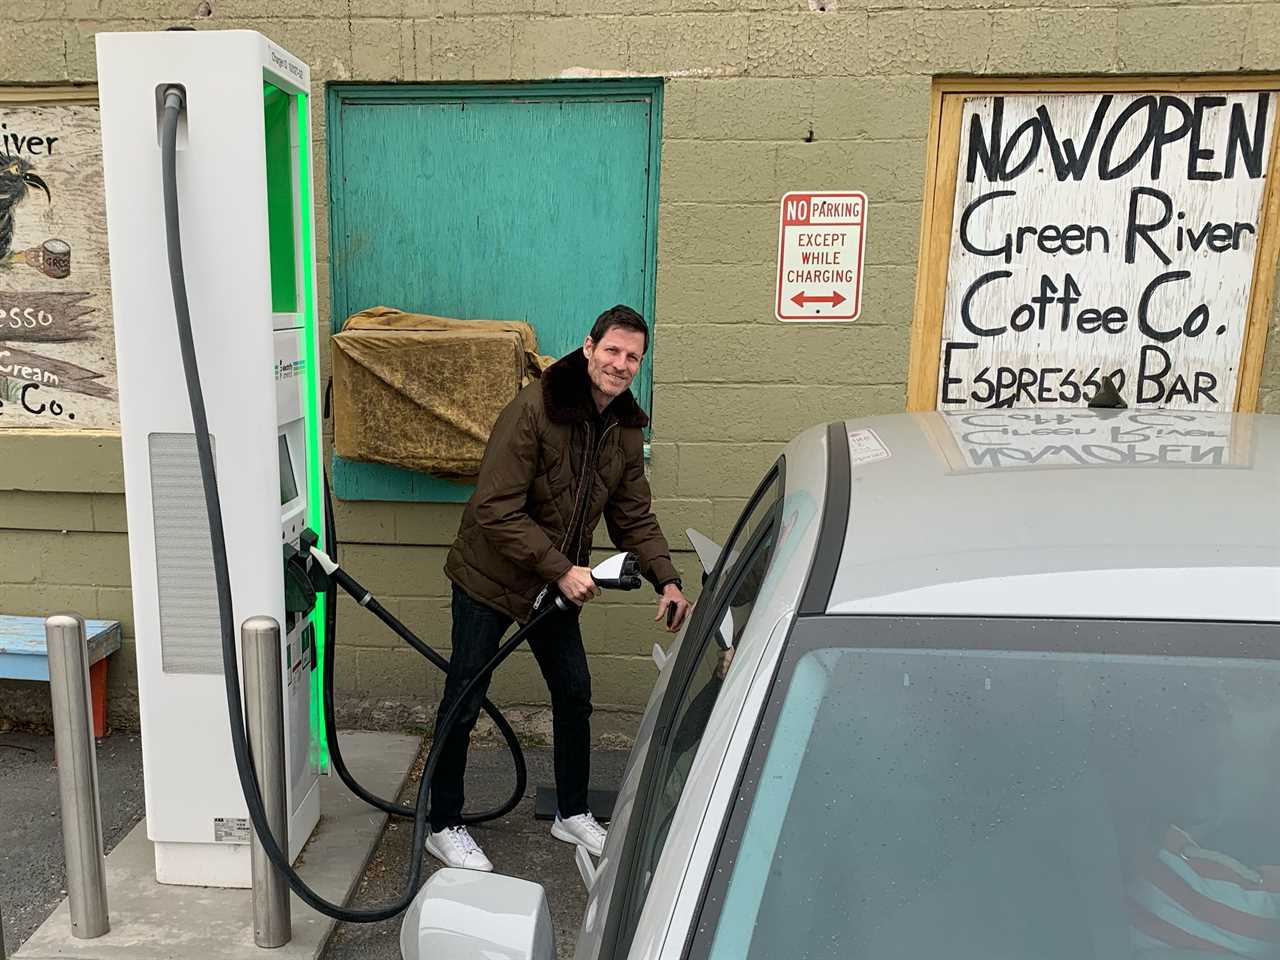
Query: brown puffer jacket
{"x": 549, "y": 472}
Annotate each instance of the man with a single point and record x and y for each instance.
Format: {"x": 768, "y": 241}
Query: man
{"x": 566, "y": 451}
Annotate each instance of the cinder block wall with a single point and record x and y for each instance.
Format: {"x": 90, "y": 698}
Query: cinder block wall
{"x": 65, "y": 548}
{"x": 761, "y": 96}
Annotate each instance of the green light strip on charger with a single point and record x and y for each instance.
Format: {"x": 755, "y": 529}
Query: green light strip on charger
{"x": 311, "y": 415}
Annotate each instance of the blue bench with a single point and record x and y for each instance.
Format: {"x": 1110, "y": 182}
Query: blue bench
{"x": 24, "y": 656}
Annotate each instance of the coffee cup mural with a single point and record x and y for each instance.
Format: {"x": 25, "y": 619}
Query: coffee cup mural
{"x": 53, "y": 258}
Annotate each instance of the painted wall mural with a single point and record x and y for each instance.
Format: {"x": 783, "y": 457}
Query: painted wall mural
{"x": 57, "y": 349}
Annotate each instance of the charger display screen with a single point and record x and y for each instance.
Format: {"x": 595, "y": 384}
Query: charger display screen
{"x": 288, "y": 482}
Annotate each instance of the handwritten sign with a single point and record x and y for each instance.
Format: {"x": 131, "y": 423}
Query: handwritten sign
{"x": 1103, "y": 234}
{"x": 57, "y": 347}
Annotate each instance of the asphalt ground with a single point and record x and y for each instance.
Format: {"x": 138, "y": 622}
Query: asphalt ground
{"x": 518, "y": 845}
{"x": 32, "y": 873}
{"x": 33, "y": 878}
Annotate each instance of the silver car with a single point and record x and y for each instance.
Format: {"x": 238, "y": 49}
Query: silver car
{"x": 997, "y": 684}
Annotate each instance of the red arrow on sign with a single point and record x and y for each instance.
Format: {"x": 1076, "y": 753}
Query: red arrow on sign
{"x": 800, "y": 299}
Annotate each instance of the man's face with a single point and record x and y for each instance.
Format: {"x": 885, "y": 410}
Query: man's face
{"x": 613, "y": 362}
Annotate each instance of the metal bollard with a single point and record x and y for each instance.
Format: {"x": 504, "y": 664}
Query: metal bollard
{"x": 264, "y": 712}
{"x": 73, "y": 746}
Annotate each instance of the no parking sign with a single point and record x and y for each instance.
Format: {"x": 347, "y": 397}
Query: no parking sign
{"x": 820, "y": 244}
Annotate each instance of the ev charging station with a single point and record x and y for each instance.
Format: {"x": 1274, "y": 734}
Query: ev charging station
{"x": 206, "y": 156}
{"x": 244, "y": 164}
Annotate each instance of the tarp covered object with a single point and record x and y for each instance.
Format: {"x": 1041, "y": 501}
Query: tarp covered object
{"x": 423, "y": 392}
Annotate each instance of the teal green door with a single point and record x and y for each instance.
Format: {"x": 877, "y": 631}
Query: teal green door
{"x": 515, "y": 202}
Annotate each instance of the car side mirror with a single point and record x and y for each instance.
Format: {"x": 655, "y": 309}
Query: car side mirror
{"x": 469, "y": 915}
{"x": 708, "y": 551}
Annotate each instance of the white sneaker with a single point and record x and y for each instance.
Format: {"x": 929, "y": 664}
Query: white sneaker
{"x": 581, "y": 829}
{"x": 454, "y": 847}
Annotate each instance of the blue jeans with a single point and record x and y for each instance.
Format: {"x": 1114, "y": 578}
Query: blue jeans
{"x": 557, "y": 646}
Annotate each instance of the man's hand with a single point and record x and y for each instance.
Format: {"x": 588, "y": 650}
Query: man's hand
{"x": 722, "y": 665}
{"x": 577, "y": 585}
{"x": 671, "y": 596}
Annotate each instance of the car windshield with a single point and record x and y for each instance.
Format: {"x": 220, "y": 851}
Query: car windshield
{"x": 971, "y": 790}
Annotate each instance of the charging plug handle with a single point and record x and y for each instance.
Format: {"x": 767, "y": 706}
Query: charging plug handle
{"x": 620, "y": 572}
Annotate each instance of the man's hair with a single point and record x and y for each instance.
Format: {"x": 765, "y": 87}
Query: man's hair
{"x": 619, "y": 316}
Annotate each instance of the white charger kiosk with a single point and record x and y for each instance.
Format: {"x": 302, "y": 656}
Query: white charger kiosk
{"x": 245, "y": 198}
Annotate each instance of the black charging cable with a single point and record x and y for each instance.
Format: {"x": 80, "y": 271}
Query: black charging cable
{"x": 338, "y": 577}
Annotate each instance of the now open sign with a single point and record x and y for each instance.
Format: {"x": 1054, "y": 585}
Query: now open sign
{"x": 820, "y": 243}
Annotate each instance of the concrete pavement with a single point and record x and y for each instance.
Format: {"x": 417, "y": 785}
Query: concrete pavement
{"x": 518, "y": 845}
{"x": 150, "y": 921}
{"x": 32, "y": 875}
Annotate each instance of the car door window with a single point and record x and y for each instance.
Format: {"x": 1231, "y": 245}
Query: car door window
{"x": 733, "y": 586}
{"x": 973, "y": 788}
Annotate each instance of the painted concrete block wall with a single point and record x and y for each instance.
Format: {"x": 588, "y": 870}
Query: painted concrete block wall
{"x": 65, "y": 548}
{"x": 761, "y": 96}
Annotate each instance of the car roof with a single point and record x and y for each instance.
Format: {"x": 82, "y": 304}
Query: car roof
{"x": 1056, "y": 513}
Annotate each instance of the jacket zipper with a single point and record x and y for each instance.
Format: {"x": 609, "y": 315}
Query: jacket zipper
{"x": 588, "y": 467}
{"x": 568, "y": 532}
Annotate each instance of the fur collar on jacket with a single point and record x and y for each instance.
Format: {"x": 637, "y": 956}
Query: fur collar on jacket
{"x": 566, "y": 392}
